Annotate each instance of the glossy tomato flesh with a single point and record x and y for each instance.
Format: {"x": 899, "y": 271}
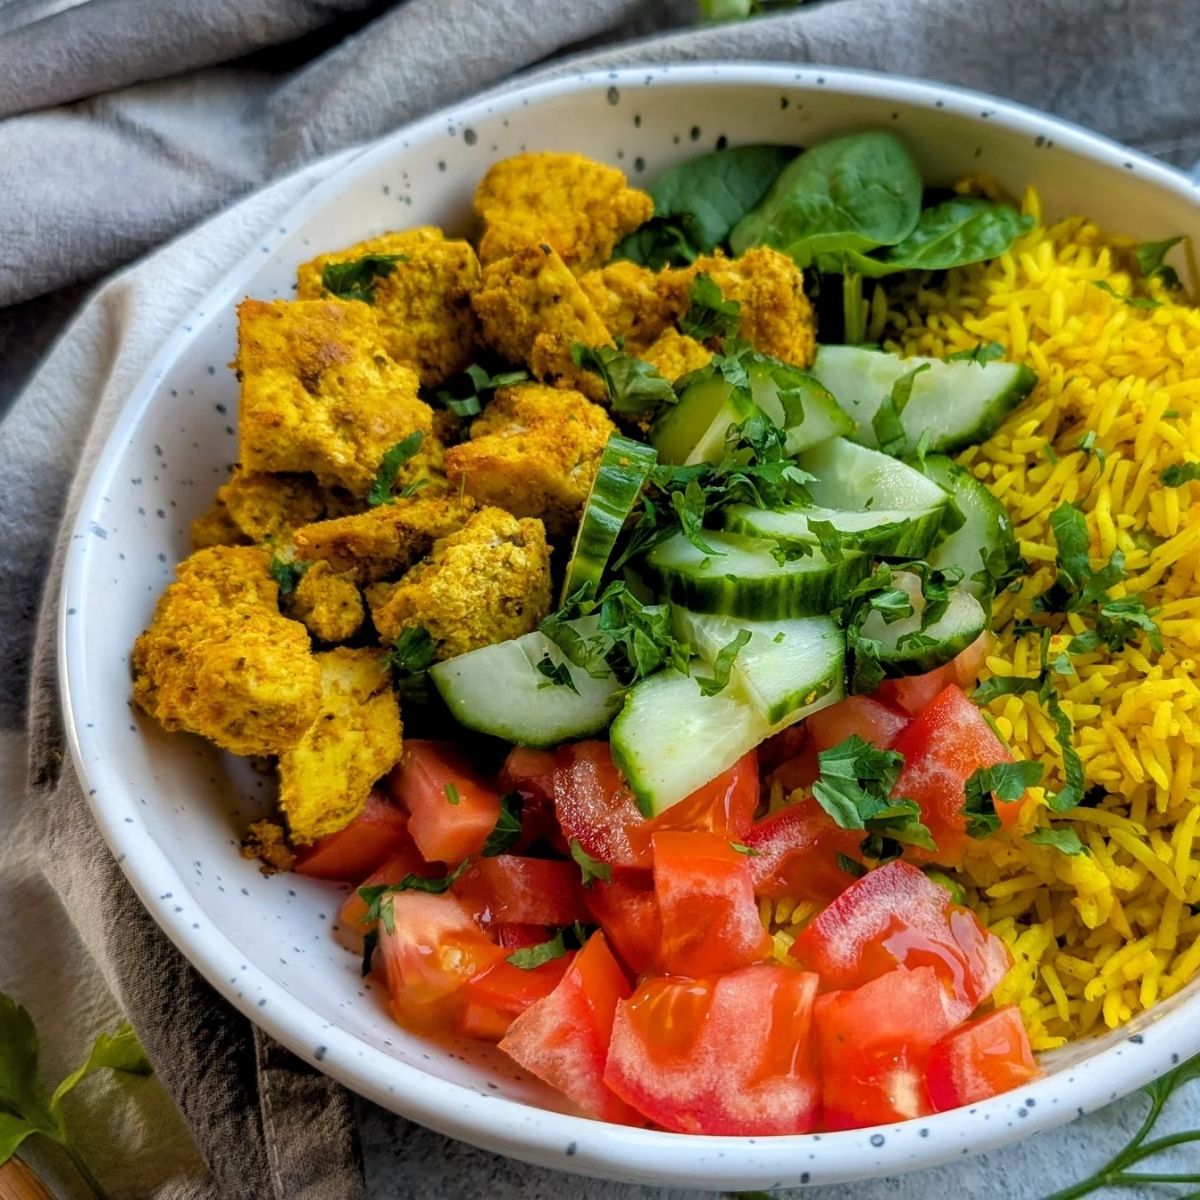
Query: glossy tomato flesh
{"x": 494, "y": 998}
{"x": 531, "y": 773}
{"x": 797, "y": 851}
{"x": 352, "y": 853}
{"x": 864, "y": 716}
{"x": 627, "y": 910}
{"x": 595, "y": 807}
{"x": 407, "y": 862}
{"x": 563, "y": 1039}
{"x": 705, "y": 893}
{"x": 452, "y": 810}
{"x": 725, "y": 1055}
{"x": 915, "y": 692}
{"x": 980, "y": 1059}
{"x": 514, "y": 889}
{"x": 896, "y": 917}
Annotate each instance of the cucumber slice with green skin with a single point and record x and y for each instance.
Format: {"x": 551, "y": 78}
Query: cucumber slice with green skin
{"x": 954, "y": 403}
{"x": 499, "y": 690}
{"x": 859, "y": 479}
{"x": 962, "y": 622}
{"x": 693, "y": 431}
{"x": 620, "y": 476}
{"x": 670, "y": 739}
{"x": 787, "y": 669}
{"x": 743, "y": 578}
{"x": 986, "y": 536}
{"x": 798, "y": 403}
{"x": 894, "y": 533}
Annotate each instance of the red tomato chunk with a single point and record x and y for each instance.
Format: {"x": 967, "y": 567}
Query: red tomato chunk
{"x": 874, "y": 1043}
{"x": 869, "y": 718}
{"x": 916, "y": 692}
{"x": 407, "y": 862}
{"x": 980, "y": 1059}
{"x": 730, "y": 1055}
{"x": 511, "y": 888}
{"x": 493, "y": 999}
{"x": 594, "y": 806}
{"x": 896, "y": 917}
{"x": 352, "y": 853}
{"x": 563, "y": 1038}
{"x": 797, "y": 853}
{"x": 942, "y": 749}
{"x": 627, "y": 911}
{"x": 452, "y": 811}
{"x": 705, "y": 894}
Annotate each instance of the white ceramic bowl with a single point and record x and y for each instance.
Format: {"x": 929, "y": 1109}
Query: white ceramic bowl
{"x": 171, "y": 807}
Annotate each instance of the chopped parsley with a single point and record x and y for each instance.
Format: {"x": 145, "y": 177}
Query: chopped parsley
{"x": 723, "y": 665}
{"x": 1180, "y": 473}
{"x": 982, "y": 354}
{"x": 507, "y": 830}
{"x": 557, "y": 674}
{"x": 1066, "y": 841}
{"x": 377, "y": 896}
{"x": 356, "y": 279}
{"x": 591, "y": 869}
{"x": 709, "y": 314}
{"x": 464, "y": 394}
{"x": 850, "y": 865}
{"x": 635, "y": 387}
{"x": 529, "y": 957}
{"x": 409, "y": 660}
{"x": 389, "y": 468}
{"x": 1126, "y": 298}
{"x": 1006, "y": 781}
{"x": 889, "y": 429}
{"x": 286, "y": 573}
{"x": 742, "y": 848}
{"x": 452, "y": 794}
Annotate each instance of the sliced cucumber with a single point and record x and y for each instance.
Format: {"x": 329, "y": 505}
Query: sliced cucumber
{"x": 743, "y": 578}
{"x": 854, "y": 477}
{"x": 984, "y": 546}
{"x": 895, "y": 533}
{"x": 669, "y": 738}
{"x": 954, "y": 403}
{"x": 906, "y": 649}
{"x": 788, "y": 668}
{"x": 797, "y": 402}
{"x": 694, "y": 430}
{"x": 499, "y": 690}
{"x": 622, "y": 472}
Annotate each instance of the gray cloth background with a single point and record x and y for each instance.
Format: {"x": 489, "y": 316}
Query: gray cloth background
{"x": 127, "y": 121}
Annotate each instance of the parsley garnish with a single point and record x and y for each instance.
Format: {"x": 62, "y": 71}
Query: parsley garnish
{"x": 409, "y": 660}
{"x": 1066, "y": 841}
{"x": 850, "y": 866}
{"x": 854, "y": 788}
{"x": 1128, "y": 299}
{"x": 742, "y": 848}
{"x": 723, "y": 665}
{"x": 389, "y": 468}
{"x": 529, "y": 957}
{"x": 1180, "y": 473}
{"x": 634, "y": 387}
{"x": 452, "y": 794}
{"x": 1151, "y": 258}
{"x": 709, "y": 314}
{"x": 557, "y": 674}
{"x": 889, "y": 430}
{"x": 287, "y": 574}
{"x": 983, "y": 353}
{"x": 356, "y": 279}
{"x": 377, "y": 896}
{"x": 590, "y": 868}
{"x": 507, "y": 830}
{"x": 464, "y": 394}
{"x": 1006, "y": 781}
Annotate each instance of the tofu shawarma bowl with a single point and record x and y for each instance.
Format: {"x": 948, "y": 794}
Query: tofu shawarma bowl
{"x": 715, "y": 638}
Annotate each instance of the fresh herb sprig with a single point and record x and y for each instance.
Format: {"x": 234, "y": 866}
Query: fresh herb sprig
{"x": 709, "y": 314}
{"x": 26, "y": 1109}
{"x": 465, "y": 394}
{"x": 635, "y": 387}
{"x": 287, "y": 573}
{"x": 409, "y": 660}
{"x": 356, "y": 279}
{"x": 389, "y": 467}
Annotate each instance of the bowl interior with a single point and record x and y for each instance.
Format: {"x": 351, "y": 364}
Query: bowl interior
{"x": 173, "y": 806}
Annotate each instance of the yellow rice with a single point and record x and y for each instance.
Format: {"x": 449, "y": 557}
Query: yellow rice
{"x": 1096, "y": 938}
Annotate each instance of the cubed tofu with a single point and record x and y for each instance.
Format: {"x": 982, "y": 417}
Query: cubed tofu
{"x": 385, "y": 541}
{"x": 532, "y": 310}
{"x": 215, "y": 527}
{"x": 580, "y": 207}
{"x": 329, "y": 604}
{"x": 486, "y": 583}
{"x": 777, "y": 317}
{"x": 220, "y": 660}
{"x": 319, "y": 392}
{"x": 267, "y": 508}
{"x": 675, "y": 354}
{"x": 629, "y": 302}
{"x": 533, "y": 452}
{"x": 325, "y": 779}
{"x": 423, "y": 304}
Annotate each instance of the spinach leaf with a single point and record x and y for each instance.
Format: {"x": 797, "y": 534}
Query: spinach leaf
{"x": 697, "y": 203}
{"x": 963, "y": 230}
{"x": 850, "y": 193}
{"x": 1151, "y": 258}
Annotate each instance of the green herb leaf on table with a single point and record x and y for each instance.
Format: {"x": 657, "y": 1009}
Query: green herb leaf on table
{"x": 286, "y": 573}
{"x": 464, "y": 394}
{"x": 557, "y": 674}
{"x": 635, "y": 387}
{"x": 389, "y": 468}
{"x": 592, "y": 869}
{"x": 507, "y": 830}
{"x": 1178, "y": 474}
{"x": 1151, "y": 258}
{"x": 529, "y": 957}
{"x": 709, "y": 314}
{"x": 1003, "y": 781}
{"x": 356, "y": 279}
{"x": 723, "y": 665}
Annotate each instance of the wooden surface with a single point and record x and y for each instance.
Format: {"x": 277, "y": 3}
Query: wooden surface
{"x": 18, "y": 1182}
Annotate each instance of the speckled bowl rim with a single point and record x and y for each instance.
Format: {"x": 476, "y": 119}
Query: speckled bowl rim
{"x": 507, "y": 1126}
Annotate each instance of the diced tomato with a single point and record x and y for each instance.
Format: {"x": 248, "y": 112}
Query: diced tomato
{"x": 493, "y": 999}
{"x": 980, "y": 1059}
{"x": 563, "y": 1038}
{"x": 710, "y": 920}
{"x": 874, "y": 1043}
{"x": 798, "y": 773}
{"x": 517, "y": 937}
{"x": 352, "y": 853}
{"x": 894, "y": 916}
{"x": 407, "y": 862}
{"x": 942, "y": 749}
{"x": 594, "y": 805}
{"x": 531, "y": 773}
{"x": 452, "y": 811}
{"x": 915, "y": 692}
{"x": 515, "y": 889}
{"x": 724, "y": 806}
{"x": 430, "y": 951}
{"x": 627, "y": 911}
{"x": 869, "y": 718}
{"x": 730, "y": 1055}
{"x": 797, "y": 852}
